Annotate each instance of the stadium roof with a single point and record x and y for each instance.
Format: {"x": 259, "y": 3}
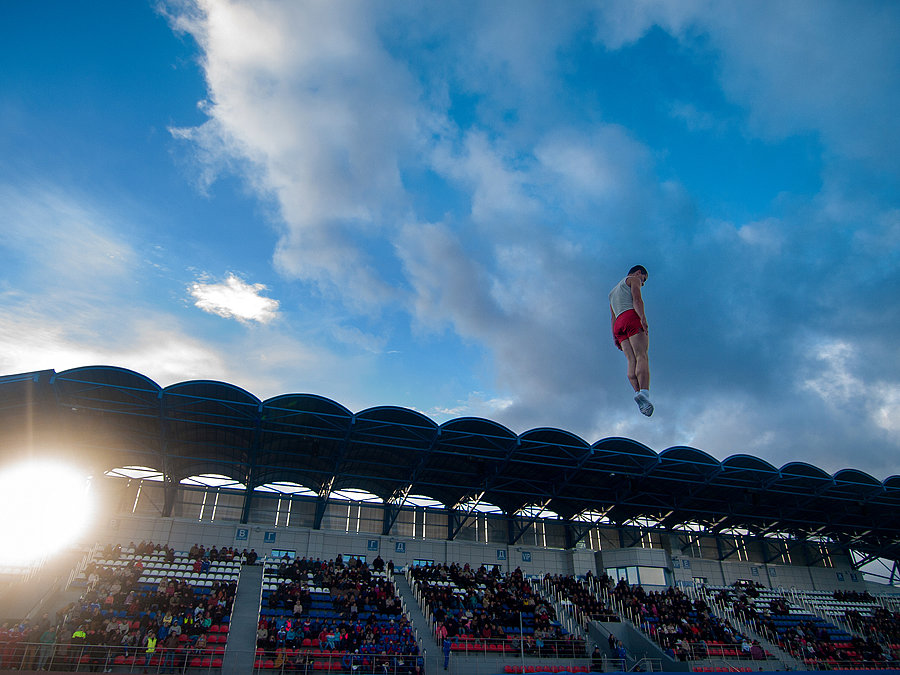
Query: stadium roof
{"x": 111, "y": 417}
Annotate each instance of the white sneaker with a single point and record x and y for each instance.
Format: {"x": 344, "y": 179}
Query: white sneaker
{"x": 644, "y": 404}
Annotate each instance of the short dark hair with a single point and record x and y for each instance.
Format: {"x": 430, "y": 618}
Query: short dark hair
{"x": 638, "y": 268}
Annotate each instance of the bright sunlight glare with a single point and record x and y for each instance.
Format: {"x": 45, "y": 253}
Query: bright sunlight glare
{"x": 47, "y": 506}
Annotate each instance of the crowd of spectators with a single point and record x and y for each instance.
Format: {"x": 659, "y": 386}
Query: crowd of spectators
{"x": 196, "y": 552}
{"x": 27, "y": 645}
{"x": 335, "y": 610}
{"x": 811, "y": 642}
{"x": 118, "y": 615}
{"x": 882, "y": 625}
{"x": 853, "y": 596}
{"x": 588, "y": 607}
{"x": 481, "y": 605}
{"x": 810, "y": 638}
{"x": 685, "y": 629}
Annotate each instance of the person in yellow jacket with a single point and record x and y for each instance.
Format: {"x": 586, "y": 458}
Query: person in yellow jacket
{"x": 150, "y": 651}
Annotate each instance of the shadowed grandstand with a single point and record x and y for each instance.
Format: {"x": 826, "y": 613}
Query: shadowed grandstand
{"x": 524, "y": 552}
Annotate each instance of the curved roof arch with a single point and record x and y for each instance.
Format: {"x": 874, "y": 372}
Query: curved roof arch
{"x": 550, "y": 445}
{"x": 307, "y": 403}
{"x": 687, "y": 454}
{"x": 397, "y": 415}
{"x": 622, "y": 455}
{"x": 682, "y": 462}
{"x": 746, "y": 471}
{"x": 892, "y": 482}
{"x": 856, "y": 483}
{"x": 110, "y": 375}
{"x": 212, "y": 391}
{"x": 856, "y": 477}
{"x": 478, "y": 434}
{"x": 803, "y": 470}
{"x": 742, "y": 462}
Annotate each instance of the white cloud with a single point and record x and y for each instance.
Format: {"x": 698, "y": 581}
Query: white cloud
{"x": 319, "y": 117}
{"x": 234, "y": 299}
{"x": 887, "y": 410}
{"x": 765, "y": 234}
{"x": 477, "y": 404}
{"x": 834, "y": 381}
{"x": 839, "y": 386}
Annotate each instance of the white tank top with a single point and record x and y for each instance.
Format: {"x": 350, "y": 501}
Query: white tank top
{"x": 620, "y": 298}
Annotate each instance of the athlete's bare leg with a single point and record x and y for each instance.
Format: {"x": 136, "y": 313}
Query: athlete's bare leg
{"x": 629, "y": 355}
{"x": 639, "y": 345}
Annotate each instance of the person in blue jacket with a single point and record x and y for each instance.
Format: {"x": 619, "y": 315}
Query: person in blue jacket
{"x": 446, "y": 648}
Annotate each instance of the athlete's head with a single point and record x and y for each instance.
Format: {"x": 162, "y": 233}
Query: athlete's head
{"x": 641, "y": 269}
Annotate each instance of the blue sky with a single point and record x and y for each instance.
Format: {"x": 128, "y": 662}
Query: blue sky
{"x": 426, "y": 204}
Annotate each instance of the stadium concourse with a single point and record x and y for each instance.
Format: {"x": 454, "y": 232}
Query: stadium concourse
{"x": 221, "y": 533}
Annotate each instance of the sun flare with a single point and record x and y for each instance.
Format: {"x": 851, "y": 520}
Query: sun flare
{"x": 48, "y": 506}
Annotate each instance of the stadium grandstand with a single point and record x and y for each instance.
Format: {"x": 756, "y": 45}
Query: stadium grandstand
{"x": 211, "y": 531}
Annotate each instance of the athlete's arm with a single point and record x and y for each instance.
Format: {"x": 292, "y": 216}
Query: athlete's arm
{"x": 634, "y": 283}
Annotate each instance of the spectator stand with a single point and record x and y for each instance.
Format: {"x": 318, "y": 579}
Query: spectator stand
{"x": 575, "y": 603}
{"x": 489, "y": 616}
{"x": 808, "y": 634}
{"x": 132, "y": 593}
{"x": 685, "y": 626}
{"x": 332, "y": 616}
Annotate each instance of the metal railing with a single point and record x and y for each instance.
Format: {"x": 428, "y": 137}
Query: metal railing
{"x": 302, "y": 662}
{"x": 519, "y": 646}
{"x": 119, "y": 659}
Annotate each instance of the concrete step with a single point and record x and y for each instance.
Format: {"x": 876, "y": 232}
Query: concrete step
{"x": 240, "y": 651}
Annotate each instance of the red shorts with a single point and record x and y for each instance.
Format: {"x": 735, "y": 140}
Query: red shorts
{"x": 628, "y": 323}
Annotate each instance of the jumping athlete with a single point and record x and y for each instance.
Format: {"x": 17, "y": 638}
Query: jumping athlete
{"x": 630, "y": 333}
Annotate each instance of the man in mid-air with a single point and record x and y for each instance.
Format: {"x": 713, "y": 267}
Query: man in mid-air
{"x": 630, "y": 332}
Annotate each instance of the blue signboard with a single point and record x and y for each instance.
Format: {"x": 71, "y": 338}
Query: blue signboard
{"x": 501, "y": 554}
{"x": 372, "y": 545}
{"x": 241, "y": 533}
{"x": 270, "y": 537}
{"x": 526, "y": 556}
{"x": 400, "y": 547}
